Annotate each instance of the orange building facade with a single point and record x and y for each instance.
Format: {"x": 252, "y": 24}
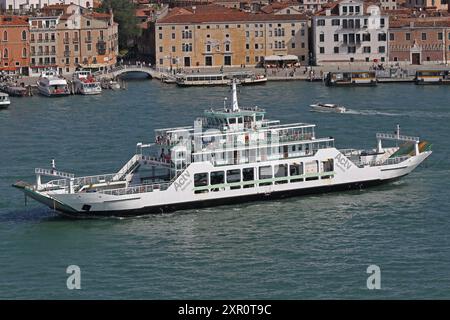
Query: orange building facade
{"x": 14, "y": 44}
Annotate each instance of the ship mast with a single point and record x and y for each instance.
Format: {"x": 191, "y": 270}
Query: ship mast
{"x": 235, "y": 100}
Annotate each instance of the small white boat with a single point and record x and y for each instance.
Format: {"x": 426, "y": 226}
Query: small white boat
{"x": 85, "y": 83}
{"x": 114, "y": 85}
{"x": 51, "y": 85}
{"x": 4, "y": 100}
{"x": 327, "y": 107}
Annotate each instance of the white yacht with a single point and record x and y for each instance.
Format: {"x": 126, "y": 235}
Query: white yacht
{"x": 327, "y": 107}
{"x": 4, "y": 100}
{"x": 52, "y": 85}
{"x": 85, "y": 83}
{"x": 230, "y": 155}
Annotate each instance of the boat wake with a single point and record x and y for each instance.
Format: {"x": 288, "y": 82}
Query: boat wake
{"x": 371, "y": 113}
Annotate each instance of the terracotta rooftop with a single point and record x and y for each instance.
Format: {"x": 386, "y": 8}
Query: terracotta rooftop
{"x": 276, "y": 6}
{"x": 217, "y": 13}
{"x": 429, "y": 22}
{"x": 13, "y": 20}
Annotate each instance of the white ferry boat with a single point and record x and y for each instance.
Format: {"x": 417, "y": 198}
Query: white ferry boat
{"x": 351, "y": 78}
{"x": 327, "y": 107}
{"x": 85, "y": 83}
{"x": 230, "y": 155}
{"x": 4, "y": 100}
{"x": 432, "y": 77}
{"x": 51, "y": 85}
{"x": 219, "y": 79}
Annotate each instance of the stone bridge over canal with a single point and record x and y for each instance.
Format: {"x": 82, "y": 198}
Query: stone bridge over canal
{"x": 123, "y": 69}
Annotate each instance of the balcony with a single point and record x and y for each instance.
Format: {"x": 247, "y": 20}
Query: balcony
{"x": 88, "y": 39}
{"x": 75, "y": 40}
{"x": 66, "y": 53}
{"x": 66, "y": 40}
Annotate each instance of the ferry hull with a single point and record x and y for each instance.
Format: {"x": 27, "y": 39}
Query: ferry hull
{"x": 67, "y": 211}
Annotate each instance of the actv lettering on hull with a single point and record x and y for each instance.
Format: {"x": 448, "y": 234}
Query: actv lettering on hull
{"x": 342, "y": 162}
{"x": 183, "y": 181}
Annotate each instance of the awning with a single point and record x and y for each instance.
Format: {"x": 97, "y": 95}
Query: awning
{"x": 289, "y": 57}
{"x": 272, "y": 58}
{"x": 8, "y": 68}
{"x": 93, "y": 65}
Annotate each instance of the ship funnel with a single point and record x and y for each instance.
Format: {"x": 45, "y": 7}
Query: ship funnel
{"x": 235, "y": 100}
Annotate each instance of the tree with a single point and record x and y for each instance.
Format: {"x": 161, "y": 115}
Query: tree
{"x": 124, "y": 15}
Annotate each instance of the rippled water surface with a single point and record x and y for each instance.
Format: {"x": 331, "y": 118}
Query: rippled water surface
{"x": 308, "y": 247}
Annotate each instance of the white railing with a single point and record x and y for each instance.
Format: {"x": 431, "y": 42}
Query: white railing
{"x": 124, "y": 170}
{"x": 390, "y": 136}
{"x": 136, "y": 189}
{"x": 389, "y": 161}
{"x": 81, "y": 181}
{"x": 53, "y": 173}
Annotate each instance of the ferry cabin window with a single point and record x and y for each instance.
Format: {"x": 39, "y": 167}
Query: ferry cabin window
{"x": 265, "y": 172}
{"x": 281, "y": 171}
{"x": 217, "y": 177}
{"x": 296, "y": 169}
{"x": 233, "y": 176}
{"x": 232, "y": 120}
{"x": 328, "y": 165}
{"x": 248, "y": 174}
{"x": 200, "y": 179}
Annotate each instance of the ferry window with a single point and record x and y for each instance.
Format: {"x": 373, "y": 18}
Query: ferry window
{"x": 280, "y": 170}
{"x": 200, "y": 179}
{"x": 240, "y": 120}
{"x": 233, "y": 176}
{"x": 328, "y": 165}
{"x": 265, "y": 172}
{"x": 232, "y": 120}
{"x": 248, "y": 174}
{"x": 295, "y": 169}
{"x": 217, "y": 177}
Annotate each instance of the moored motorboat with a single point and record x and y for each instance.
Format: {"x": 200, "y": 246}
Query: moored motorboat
{"x": 51, "y": 85}
{"x": 85, "y": 83}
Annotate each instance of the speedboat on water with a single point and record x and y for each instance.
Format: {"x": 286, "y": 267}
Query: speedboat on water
{"x": 4, "y": 100}
{"x": 232, "y": 154}
{"x": 52, "y": 85}
{"x": 327, "y": 107}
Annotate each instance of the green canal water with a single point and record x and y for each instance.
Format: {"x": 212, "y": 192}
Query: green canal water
{"x": 299, "y": 248}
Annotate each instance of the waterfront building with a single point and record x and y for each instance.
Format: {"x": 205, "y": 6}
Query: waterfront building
{"x": 87, "y": 40}
{"x": 350, "y": 31}
{"x": 69, "y": 37}
{"x": 389, "y": 4}
{"x": 14, "y": 45}
{"x": 422, "y": 4}
{"x": 30, "y": 5}
{"x": 312, "y": 6}
{"x": 43, "y": 43}
{"x": 420, "y": 40}
{"x": 215, "y": 36}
